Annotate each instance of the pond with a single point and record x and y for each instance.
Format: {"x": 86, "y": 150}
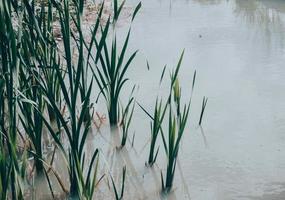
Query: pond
{"x": 237, "y": 49}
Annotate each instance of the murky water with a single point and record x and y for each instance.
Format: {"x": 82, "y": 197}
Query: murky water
{"x": 237, "y": 48}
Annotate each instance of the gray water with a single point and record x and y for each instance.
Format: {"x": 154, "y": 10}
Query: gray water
{"x": 237, "y": 48}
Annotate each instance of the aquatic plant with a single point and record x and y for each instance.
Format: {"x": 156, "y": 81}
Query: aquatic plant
{"x": 126, "y": 120}
{"x": 32, "y": 123}
{"x": 48, "y": 54}
{"x": 33, "y": 78}
{"x": 11, "y": 170}
{"x": 117, "y": 196}
{"x": 32, "y": 60}
{"x": 204, "y": 103}
{"x": 76, "y": 126}
{"x": 117, "y": 10}
{"x": 110, "y": 72}
{"x": 176, "y": 125}
{"x": 12, "y": 173}
{"x": 175, "y": 133}
{"x": 159, "y": 113}
{"x": 90, "y": 181}
{"x": 45, "y": 90}
{"x": 155, "y": 127}
{"x": 110, "y": 77}
{"x": 156, "y": 122}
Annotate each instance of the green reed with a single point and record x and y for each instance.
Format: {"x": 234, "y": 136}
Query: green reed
{"x": 117, "y": 196}
{"x": 110, "y": 72}
{"x": 155, "y": 127}
{"x": 204, "y": 104}
{"x": 126, "y": 120}
{"x": 74, "y": 123}
{"x": 177, "y": 120}
{"x": 159, "y": 113}
{"x": 11, "y": 173}
{"x": 34, "y": 58}
{"x": 39, "y": 85}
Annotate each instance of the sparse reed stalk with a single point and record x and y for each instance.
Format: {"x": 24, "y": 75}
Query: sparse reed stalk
{"x": 126, "y": 120}
{"x": 204, "y": 104}
{"x": 155, "y": 127}
{"x": 117, "y": 196}
{"x": 159, "y": 113}
{"x": 177, "y": 121}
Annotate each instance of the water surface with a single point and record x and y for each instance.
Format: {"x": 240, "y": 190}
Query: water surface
{"x": 237, "y": 48}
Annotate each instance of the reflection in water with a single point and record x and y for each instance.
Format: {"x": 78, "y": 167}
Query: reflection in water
{"x": 184, "y": 183}
{"x": 276, "y": 193}
{"x": 262, "y": 13}
{"x": 204, "y": 137}
{"x": 208, "y": 2}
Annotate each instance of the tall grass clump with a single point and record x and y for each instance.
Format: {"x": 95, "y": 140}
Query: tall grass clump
{"x": 177, "y": 120}
{"x": 110, "y": 72}
{"x": 33, "y": 60}
{"x": 111, "y": 78}
{"x": 11, "y": 171}
{"x": 76, "y": 122}
{"x": 48, "y": 56}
